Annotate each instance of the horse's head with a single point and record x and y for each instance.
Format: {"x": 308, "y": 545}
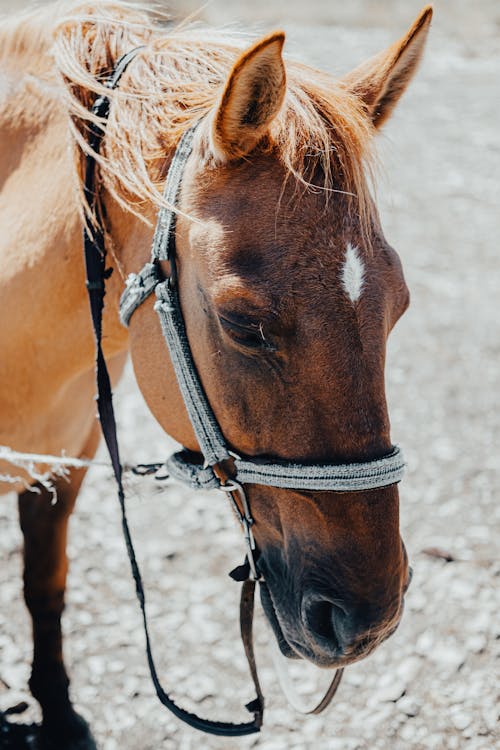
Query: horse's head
{"x": 289, "y": 291}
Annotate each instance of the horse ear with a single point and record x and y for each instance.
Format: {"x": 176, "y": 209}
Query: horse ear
{"x": 380, "y": 81}
{"x": 251, "y": 99}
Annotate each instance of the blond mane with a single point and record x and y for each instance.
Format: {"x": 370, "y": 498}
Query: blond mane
{"x": 178, "y": 79}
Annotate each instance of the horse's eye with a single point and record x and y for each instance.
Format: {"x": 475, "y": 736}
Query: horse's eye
{"x": 246, "y": 332}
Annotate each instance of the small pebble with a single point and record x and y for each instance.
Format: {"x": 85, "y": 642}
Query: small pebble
{"x": 448, "y": 657}
{"x": 408, "y": 705}
{"x": 408, "y": 669}
{"x": 476, "y": 644}
{"x": 390, "y": 692}
{"x": 461, "y": 720}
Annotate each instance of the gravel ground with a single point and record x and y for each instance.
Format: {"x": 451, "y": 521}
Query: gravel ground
{"x": 434, "y": 684}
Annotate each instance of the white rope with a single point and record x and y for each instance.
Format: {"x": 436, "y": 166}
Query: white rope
{"x": 26, "y": 459}
{"x": 59, "y": 467}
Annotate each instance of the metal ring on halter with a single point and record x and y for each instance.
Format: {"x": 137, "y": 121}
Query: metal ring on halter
{"x": 232, "y": 486}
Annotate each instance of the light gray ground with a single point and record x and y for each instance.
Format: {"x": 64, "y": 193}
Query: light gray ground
{"x": 434, "y": 684}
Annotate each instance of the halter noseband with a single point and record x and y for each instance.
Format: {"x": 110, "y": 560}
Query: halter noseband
{"x": 212, "y": 474}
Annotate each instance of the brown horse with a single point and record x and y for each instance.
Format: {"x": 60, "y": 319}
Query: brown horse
{"x": 288, "y": 287}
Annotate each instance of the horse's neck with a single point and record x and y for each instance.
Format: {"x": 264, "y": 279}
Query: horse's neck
{"x": 42, "y": 282}
{"x": 26, "y": 41}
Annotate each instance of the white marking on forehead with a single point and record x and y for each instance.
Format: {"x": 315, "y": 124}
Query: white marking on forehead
{"x": 353, "y": 272}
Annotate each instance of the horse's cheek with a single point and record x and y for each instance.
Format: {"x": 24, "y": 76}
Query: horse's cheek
{"x": 155, "y": 376}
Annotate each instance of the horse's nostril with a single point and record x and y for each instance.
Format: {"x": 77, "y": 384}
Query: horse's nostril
{"x": 321, "y": 616}
{"x": 340, "y": 629}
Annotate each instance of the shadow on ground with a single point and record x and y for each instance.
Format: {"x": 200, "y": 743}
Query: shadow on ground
{"x": 14, "y": 736}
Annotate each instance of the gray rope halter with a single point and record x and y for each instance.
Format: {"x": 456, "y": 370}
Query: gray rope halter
{"x": 355, "y": 477}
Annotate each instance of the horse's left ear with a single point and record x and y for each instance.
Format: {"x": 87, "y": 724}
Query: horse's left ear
{"x": 251, "y": 99}
{"x": 380, "y": 81}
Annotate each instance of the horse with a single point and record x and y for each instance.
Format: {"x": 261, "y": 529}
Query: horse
{"x": 288, "y": 287}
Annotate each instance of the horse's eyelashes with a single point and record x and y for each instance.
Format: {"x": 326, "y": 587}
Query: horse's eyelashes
{"x": 246, "y": 332}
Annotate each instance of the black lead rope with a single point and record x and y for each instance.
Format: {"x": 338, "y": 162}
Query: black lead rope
{"x": 95, "y": 262}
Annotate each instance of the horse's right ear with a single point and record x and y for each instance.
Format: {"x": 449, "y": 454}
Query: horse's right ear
{"x": 380, "y": 81}
{"x": 251, "y": 99}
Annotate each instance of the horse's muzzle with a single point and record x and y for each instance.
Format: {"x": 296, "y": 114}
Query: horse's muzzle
{"x": 327, "y": 632}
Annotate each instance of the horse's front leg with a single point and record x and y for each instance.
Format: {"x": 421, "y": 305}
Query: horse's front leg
{"x": 44, "y": 527}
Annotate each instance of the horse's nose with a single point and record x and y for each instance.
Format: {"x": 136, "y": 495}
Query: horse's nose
{"x": 334, "y": 626}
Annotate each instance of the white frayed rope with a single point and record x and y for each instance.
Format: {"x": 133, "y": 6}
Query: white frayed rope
{"x": 59, "y": 467}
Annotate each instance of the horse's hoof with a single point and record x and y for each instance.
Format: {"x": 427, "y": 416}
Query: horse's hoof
{"x": 68, "y": 731}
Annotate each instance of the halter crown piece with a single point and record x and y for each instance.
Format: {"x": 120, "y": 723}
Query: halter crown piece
{"x": 354, "y": 477}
